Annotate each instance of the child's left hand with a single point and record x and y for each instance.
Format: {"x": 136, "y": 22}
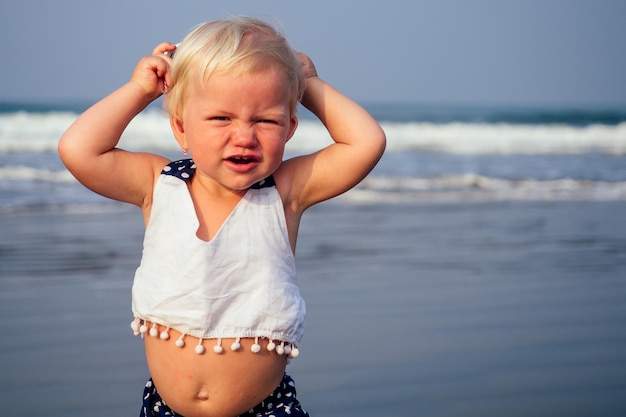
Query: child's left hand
{"x": 307, "y": 65}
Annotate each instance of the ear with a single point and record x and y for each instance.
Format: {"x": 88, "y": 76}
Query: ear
{"x": 293, "y": 125}
{"x": 178, "y": 129}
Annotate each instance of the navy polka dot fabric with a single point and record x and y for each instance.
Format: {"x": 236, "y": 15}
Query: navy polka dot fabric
{"x": 185, "y": 168}
{"x": 281, "y": 403}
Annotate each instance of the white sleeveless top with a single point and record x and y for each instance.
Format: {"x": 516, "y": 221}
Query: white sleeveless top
{"x": 241, "y": 283}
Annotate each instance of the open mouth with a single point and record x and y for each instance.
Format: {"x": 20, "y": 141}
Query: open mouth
{"x": 241, "y": 160}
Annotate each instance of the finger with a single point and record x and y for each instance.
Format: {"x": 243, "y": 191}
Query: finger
{"x": 163, "y": 48}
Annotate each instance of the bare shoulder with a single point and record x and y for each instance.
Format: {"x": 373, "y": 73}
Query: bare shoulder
{"x": 291, "y": 178}
{"x": 145, "y": 168}
{"x": 288, "y": 185}
{"x": 119, "y": 174}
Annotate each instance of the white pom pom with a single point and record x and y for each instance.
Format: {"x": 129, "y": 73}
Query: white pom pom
{"x": 143, "y": 329}
{"x": 199, "y": 349}
{"x": 164, "y": 335}
{"x": 287, "y": 349}
{"x": 135, "y": 326}
{"x": 154, "y": 332}
{"x": 295, "y": 352}
{"x": 271, "y": 346}
{"x": 280, "y": 349}
{"x": 180, "y": 342}
{"x": 218, "y": 347}
{"x": 235, "y": 346}
{"x": 256, "y": 348}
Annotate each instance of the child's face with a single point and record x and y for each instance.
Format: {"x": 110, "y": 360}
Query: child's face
{"x": 236, "y": 127}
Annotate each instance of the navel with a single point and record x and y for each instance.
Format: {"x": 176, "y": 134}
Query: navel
{"x": 202, "y": 395}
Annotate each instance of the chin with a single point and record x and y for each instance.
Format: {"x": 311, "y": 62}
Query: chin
{"x": 241, "y": 186}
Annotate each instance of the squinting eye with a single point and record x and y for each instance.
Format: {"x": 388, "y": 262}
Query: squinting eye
{"x": 268, "y": 121}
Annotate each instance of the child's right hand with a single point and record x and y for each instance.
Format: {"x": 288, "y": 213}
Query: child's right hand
{"x": 89, "y": 146}
{"x": 152, "y": 72}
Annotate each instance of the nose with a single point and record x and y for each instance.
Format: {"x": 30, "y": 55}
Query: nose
{"x": 244, "y": 136}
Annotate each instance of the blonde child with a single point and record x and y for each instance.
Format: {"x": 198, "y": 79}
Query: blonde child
{"x": 215, "y": 296}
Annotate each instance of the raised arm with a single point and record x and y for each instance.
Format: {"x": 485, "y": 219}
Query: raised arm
{"x": 359, "y": 143}
{"x": 89, "y": 147}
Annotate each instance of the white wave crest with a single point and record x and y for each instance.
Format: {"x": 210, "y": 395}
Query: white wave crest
{"x": 40, "y": 132}
{"x": 474, "y": 138}
{"x": 24, "y": 173}
{"x": 469, "y": 188}
{"x": 32, "y": 132}
{"x": 476, "y": 188}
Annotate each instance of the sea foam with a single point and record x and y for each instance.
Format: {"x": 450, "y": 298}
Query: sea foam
{"x": 425, "y": 161}
{"x": 40, "y": 132}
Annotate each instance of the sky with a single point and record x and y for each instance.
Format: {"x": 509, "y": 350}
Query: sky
{"x": 490, "y": 52}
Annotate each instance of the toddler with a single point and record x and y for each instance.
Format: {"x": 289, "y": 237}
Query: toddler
{"x": 215, "y": 295}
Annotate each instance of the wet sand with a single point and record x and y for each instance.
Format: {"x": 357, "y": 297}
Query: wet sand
{"x": 509, "y": 309}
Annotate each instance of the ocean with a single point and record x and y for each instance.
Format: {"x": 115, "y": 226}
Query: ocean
{"x": 435, "y": 154}
{"x": 479, "y": 270}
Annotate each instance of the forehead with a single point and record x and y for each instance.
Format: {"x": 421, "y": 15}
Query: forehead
{"x": 269, "y": 80}
{"x": 266, "y": 88}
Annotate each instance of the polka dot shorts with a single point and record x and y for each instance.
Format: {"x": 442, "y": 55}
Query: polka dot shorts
{"x": 280, "y": 403}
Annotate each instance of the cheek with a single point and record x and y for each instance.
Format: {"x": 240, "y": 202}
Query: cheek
{"x": 275, "y": 151}
{"x": 273, "y": 140}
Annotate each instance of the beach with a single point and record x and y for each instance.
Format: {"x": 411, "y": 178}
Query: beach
{"x": 458, "y": 309}
{"x": 479, "y": 270}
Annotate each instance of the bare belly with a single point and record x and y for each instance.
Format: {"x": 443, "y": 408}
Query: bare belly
{"x": 211, "y": 384}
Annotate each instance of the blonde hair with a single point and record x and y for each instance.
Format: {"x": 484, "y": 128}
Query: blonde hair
{"x": 241, "y": 46}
